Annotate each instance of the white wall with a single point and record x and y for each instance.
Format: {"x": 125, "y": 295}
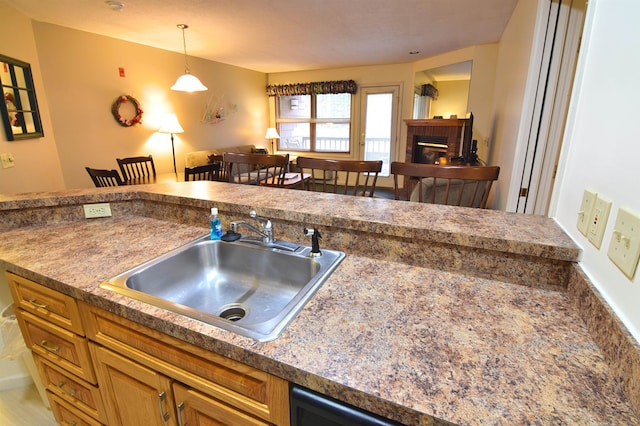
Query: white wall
{"x": 601, "y": 147}
{"x": 514, "y": 61}
{"x": 81, "y": 73}
{"x": 37, "y": 166}
{"x": 452, "y": 99}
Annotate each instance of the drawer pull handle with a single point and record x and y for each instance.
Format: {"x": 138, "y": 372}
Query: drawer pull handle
{"x": 61, "y": 385}
{"x": 161, "y": 397}
{"x": 35, "y": 303}
{"x": 180, "y": 408}
{"x": 46, "y": 346}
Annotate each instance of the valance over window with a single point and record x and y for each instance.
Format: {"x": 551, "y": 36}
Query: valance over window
{"x": 430, "y": 91}
{"x": 314, "y": 88}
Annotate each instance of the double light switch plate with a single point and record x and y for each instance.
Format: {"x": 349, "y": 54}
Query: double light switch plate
{"x": 624, "y": 249}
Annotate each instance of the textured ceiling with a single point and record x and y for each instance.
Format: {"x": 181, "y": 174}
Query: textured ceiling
{"x": 288, "y": 35}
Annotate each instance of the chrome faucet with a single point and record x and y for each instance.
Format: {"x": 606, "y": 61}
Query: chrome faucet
{"x": 266, "y": 231}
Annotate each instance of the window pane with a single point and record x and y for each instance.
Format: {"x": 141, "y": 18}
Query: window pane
{"x": 334, "y": 106}
{"x": 294, "y": 136}
{"x": 295, "y": 106}
{"x": 332, "y": 137}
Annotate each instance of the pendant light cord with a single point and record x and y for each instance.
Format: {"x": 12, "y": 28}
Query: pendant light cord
{"x": 184, "y": 45}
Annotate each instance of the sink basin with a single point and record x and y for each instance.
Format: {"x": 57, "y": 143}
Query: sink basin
{"x": 246, "y": 287}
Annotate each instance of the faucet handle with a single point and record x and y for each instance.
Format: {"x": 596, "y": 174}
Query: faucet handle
{"x": 265, "y": 222}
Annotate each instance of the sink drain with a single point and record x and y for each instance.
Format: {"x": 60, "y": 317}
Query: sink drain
{"x": 233, "y": 312}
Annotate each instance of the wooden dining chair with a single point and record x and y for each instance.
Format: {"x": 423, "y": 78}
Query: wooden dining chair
{"x": 256, "y": 169}
{"x": 465, "y": 186}
{"x": 103, "y": 177}
{"x": 348, "y": 177}
{"x": 205, "y": 172}
{"x": 137, "y": 168}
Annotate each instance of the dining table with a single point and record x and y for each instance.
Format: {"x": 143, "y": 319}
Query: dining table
{"x": 291, "y": 180}
{"x": 157, "y": 178}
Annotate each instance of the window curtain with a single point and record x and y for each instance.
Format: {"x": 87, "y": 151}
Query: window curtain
{"x": 430, "y": 91}
{"x": 314, "y": 88}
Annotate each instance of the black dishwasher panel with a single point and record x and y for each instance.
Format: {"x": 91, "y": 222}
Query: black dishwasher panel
{"x": 309, "y": 408}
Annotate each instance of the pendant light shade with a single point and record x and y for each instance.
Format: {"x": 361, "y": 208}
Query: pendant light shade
{"x": 187, "y": 82}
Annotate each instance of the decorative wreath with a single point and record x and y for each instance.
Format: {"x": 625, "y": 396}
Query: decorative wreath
{"x": 124, "y": 121}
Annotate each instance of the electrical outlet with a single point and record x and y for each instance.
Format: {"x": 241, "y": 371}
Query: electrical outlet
{"x": 586, "y": 211}
{"x": 96, "y": 210}
{"x": 7, "y": 160}
{"x": 624, "y": 249}
{"x": 598, "y": 221}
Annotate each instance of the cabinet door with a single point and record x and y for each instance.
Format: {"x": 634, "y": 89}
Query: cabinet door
{"x": 195, "y": 408}
{"x": 134, "y": 395}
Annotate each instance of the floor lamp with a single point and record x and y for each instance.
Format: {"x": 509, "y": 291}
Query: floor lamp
{"x": 170, "y": 125}
{"x": 272, "y": 134}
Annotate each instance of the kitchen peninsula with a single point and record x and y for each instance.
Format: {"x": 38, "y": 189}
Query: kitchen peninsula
{"x": 437, "y": 314}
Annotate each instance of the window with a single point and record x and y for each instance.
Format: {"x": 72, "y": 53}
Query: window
{"x": 314, "y": 123}
{"x": 19, "y": 110}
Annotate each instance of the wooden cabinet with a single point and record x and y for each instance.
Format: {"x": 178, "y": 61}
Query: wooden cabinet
{"x": 134, "y": 394}
{"x": 51, "y": 326}
{"x": 100, "y": 368}
{"x": 196, "y": 408}
{"x": 58, "y": 381}
{"x": 167, "y": 380}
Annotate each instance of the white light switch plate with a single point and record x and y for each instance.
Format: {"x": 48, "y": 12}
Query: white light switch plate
{"x": 586, "y": 210}
{"x": 598, "y": 221}
{"x": 624, "y": 249}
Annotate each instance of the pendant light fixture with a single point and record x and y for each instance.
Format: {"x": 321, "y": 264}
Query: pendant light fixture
{"x": 187, "y": 82}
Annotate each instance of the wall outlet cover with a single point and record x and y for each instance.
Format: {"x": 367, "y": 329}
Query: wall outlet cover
{"x": 7, "y": 160}
{"x": 96, "y": 210}
{"x": 598, "y": 221}
{"x": 624, "y": 250}
{"x": 586, "y": 211}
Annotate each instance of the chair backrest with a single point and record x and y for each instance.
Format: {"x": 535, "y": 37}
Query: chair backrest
{"x": 206, "y": 172}
{"x": 103, "y": 177}
{"x": 466, "y": 186}
{"x": 348, "y": 177}
{"x": 256, "y": 169}
{"x": 133, "y": 168}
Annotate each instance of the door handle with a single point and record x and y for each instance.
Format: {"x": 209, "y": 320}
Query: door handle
{"x": 161, "y": 397}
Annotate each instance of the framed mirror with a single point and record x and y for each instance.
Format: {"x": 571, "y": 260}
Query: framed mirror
{"x": 451, "y": 83}
{"x": 19, "y": 111}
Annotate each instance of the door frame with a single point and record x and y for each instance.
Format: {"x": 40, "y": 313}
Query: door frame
{"x": 396, "y": 90}
{"x": 552, "y": 74}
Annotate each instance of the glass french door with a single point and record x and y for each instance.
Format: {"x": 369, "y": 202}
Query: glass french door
{"x": 378, "y": 128}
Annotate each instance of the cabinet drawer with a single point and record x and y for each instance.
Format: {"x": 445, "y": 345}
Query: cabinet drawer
{"x": 56, "y": 344}
{"x": 55, "y": 307}
{"x": 66, "y": 414}
{"x": 72, "y": 389}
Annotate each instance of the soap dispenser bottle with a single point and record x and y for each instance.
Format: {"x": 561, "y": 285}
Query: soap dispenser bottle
{"x": 216, "y": 225}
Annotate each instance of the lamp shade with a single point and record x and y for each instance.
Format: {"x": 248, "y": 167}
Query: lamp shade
{"x": 188, "y": 83}
{"x": 170, "y": 124}
{"x": 272, "y": 133}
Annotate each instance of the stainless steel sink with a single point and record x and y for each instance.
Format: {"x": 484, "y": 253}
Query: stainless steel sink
{"x": 246, "y": 287}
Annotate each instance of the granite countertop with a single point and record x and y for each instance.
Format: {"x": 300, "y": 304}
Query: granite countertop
{"x": 413, "y": 343}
